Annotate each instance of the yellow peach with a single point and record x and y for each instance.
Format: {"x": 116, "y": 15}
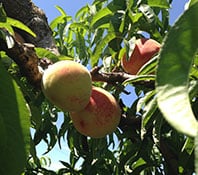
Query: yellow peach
{"x": 67, "y": 84}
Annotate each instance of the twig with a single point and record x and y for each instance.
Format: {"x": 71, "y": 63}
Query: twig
{"x": 117, "y": 77}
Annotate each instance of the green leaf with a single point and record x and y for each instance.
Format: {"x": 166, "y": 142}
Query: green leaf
{"x": 79, "y": 25}
{"x": 158, "y": 123}
{"x": 139, "y": 78}
{"x": 193, "y": 2}
{"x": 129, "y": 46}
{"x": 144, "y": 100}
{"x": 138, "y": 163}
{"x": 56, "y": 21}
{"x": 14, "y": 126}
{"x": 20, "y": 25}
{"x": 61, "y": 10}
{"x": 82, "y": 11}
{"x": 149, "y": 110}
{"x": 42, "y": 53}
{"x": 63, "y": 18}
{"x": 109, "y": 10}
{"x": 157, "y": 3}
{"x": 134, "y": 16}
{"x": 6, "y": 26}
{"x": 149, "y": 67}
{"x": 173, "y": 73}
{"x": 99, "y": 48}
{"x": 186, "y": 152}
{"x": 102, "y": 13}
{"x": 2, "y": 14}
{"x": 9, "y": 41}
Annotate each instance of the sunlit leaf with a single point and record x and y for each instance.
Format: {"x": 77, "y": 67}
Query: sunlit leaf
{"x": 144, "y": 100}
{"x": 129, "y": 46}
{"x": 157, "y": 3}
{"x": 186, "y": 151}
{"x": 56, "y": 21}
{"x": 44, "y": 53}
{"x": 173, "y": 73}
{"x": 20, "y": 25}
{"x": 9, "y": 41}
{"x": 104, "y": 12}
{"x": 148, "y": 12}
{"x": 7, "y": 27}
{"x": 192, "y": 2}
{"x": 76, "y": 25}
{"x": 149, "y": 111}
{"x": 81, "y": 11}
{"x": 149, "y": 67}
{"x": 99, "y": 48}
{"x": 109, "y": 10}
{"x": 60, "y": 9}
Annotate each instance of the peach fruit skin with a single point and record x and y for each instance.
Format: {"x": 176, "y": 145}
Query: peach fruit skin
{"x": 144, "y": 50}
{"x": 67, "y": 84}
{"x": 100, "y": 117}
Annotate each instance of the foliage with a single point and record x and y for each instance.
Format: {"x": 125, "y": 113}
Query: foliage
{"x": 157, "y": 130}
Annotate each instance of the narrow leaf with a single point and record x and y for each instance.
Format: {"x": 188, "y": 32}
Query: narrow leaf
{"x": 157, "y": 3}
{"x": 109, "y": 10}
{"x": 20, "y": 25}
{"x": 102, "y": 13}
{"x": 60, "y": 9}
{"x": 99, "y": 48}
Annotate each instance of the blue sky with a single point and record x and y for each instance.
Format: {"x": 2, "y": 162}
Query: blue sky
{"x": 71, "y": 7}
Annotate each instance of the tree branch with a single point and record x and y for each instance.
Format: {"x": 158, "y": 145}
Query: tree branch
{"x": 25, "y": 57}
{"x": 32, "y": 16}
{"x": 22, "y": 53}
{"x": 117, "y": 77}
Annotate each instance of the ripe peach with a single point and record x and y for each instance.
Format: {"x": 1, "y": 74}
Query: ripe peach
{"x": 144, "y": 50}
{"x": 67, "y": 84}
{"x": 100, "y": 117}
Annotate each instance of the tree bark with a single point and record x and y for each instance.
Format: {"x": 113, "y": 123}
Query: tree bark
{"x": 32, "y": 16}
{"x": 22, "y": 53}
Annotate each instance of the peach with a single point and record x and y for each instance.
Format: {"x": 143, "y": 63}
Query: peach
{"x": 144, "y": 50}
{"x": 100, "y": 117}
{"x": 67, "y": 84}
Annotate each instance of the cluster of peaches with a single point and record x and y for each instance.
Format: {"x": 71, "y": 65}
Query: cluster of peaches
{"x": 93, "y": 110}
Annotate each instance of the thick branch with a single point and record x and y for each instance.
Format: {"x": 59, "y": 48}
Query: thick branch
{"x": 25, "y": 56}
{"x": 32, "y": 16}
